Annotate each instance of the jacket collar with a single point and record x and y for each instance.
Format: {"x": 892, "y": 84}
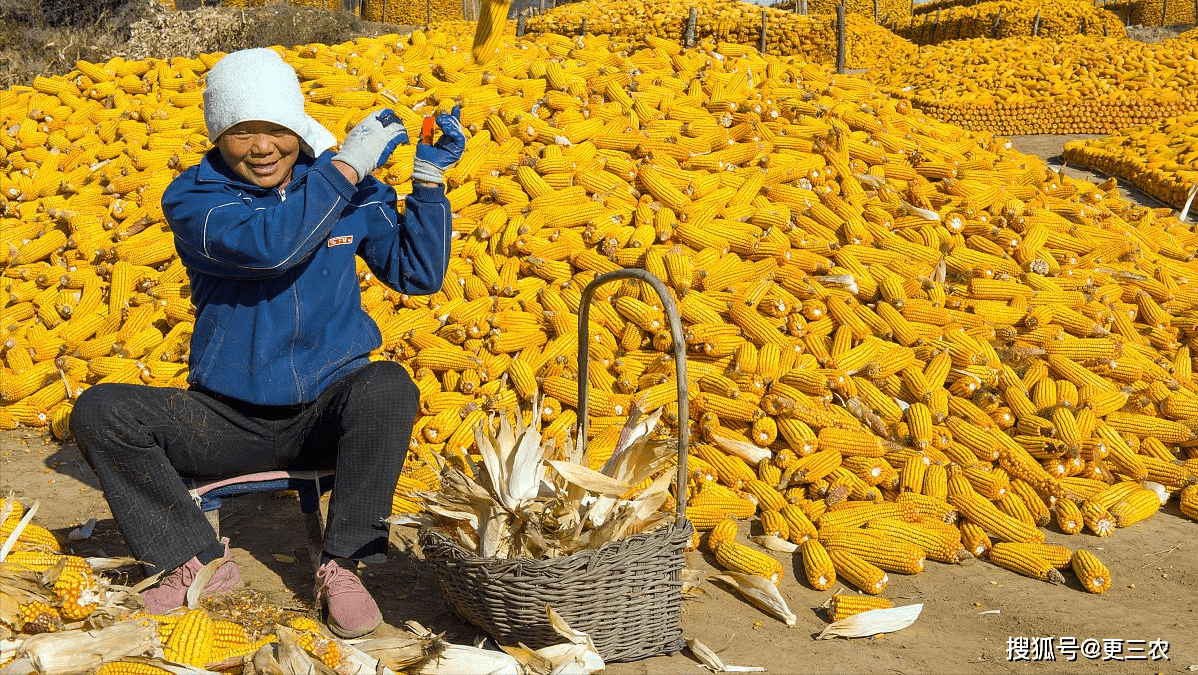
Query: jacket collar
{"x": 213, "y": 169}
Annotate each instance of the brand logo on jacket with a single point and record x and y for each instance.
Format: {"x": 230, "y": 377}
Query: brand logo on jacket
{"x": 338, "y": 241}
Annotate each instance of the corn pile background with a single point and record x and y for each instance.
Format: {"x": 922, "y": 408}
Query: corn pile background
{"x": 909, "y": 320}
{"x": 1161, "y": 159}
{"x": 887, "y": 10}
{"x": 1043, "y": 86}
{"x": 812, "y": 37}
{"x": 1004, "y": 18}
{"x": 407, "y": 13}
{"x": 1153, "y": 12}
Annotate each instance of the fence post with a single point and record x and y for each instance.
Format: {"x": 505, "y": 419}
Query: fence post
{"x": 803, "y": 7}
{"x": 841, "y": 39}
{"x": 690, "y": 27}
{"x": 764, "y": 29}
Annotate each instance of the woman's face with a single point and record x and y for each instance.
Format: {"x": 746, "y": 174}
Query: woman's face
{"x": 261, "y": 152}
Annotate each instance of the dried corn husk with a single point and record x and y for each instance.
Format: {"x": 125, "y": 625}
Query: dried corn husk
{"x": 761, "y": 592}
{"x": 713, "y": 662}
{"x": 774, "y": 543}
{"x": 76, "y": 652}
{"x": 873, "y": 622}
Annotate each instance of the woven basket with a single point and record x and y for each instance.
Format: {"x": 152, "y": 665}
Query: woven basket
{"x": 626, "y": 594}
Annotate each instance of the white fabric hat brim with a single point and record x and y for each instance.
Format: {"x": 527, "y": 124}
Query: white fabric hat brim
{"x": 256, "y": 85}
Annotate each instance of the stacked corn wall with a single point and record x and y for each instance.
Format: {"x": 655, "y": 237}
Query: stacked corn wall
{"x": 1154, "y": 12}
{"x": 1161, "y": 158}
{"x": 1042, "y": 86}
{"x": 811, "y": 37}
{"x": 318, "y": 4}
{"x": 883, "y": 11}
{"x": 1004, "y": 18}
{"x": 918, "y": 334}
{"x": 409, "y": 13}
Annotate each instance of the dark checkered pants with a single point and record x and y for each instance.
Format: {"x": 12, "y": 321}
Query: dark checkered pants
{"x": 139, "y": 439}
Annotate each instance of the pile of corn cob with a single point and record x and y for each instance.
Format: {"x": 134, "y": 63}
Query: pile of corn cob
{"x": 46, "y": 589}
{"x": 1008, "y": 18}
{"x": 1160, "y": 158}
{"x": 318, "y": 4}
{"x": 1041, "y": 86}
{"x": 403, "y": 13}
{"x": 812, "y": 37}
{"x": 884, "y": 11}
{"x": 890, "y": 317}
{"x": 1153, "y": 12}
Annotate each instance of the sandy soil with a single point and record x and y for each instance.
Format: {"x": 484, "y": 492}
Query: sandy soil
{"x": 971, "y": 612}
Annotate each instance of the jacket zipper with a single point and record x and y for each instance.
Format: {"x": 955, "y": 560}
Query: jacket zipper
{"x": 282, "y": 194}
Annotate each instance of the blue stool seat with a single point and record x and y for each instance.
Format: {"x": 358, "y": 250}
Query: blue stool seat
{"x": 209, "y": 493}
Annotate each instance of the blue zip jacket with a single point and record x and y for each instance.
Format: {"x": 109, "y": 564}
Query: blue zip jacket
{"x": 273, "y": 278}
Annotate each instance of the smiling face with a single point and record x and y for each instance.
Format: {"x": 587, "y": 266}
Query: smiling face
{"x": 261, "y": 152}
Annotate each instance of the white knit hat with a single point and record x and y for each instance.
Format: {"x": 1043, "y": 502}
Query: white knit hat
{"x": 257, "y": 85}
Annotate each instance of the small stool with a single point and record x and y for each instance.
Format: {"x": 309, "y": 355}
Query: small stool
{"x": 310, "y": 485}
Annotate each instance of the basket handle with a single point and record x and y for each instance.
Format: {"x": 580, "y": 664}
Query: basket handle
{"x": 679, "y": 349}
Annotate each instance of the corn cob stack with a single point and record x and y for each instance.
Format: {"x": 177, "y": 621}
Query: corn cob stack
{"x": 491, "y": 22}
{"x": 1035, "y": 85}
{"x": 411, "y": 13}
{"x": 1007, "y": 19}
{"x": 812, "y": 36}
{"x": 887, "y": 11}
{"x": 1152, "y": 12}
{"x": 1160, "y": 158}
{"x": 824, "y": 243}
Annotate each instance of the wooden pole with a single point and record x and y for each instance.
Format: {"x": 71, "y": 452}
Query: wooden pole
{"x": 383, "y": 18}
{"x": 690, "y": 27}
{"x": 997, "y": 23}
{"x": 803, "y": 7}
{"x": 764, "y": 30}
{"x": 428, "y": 4}
{"x": 1164, "y": 6}
{"x": 935, "y": 25}
{"x": 584, "y": 26}
{"x": 1036, "y": 24}
{"x": 875, "y": 11}
{"x": 841, "y": 38}
{"x": 520, "y": 25}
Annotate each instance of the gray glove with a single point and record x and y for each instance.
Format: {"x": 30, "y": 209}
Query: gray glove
{"x": 372, "y": 141}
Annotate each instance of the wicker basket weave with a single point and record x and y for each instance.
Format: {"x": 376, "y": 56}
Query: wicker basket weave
{"x": 626, "y": 594}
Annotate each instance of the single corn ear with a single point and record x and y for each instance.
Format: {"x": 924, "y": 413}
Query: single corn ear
{"x": 1093, "y": 575}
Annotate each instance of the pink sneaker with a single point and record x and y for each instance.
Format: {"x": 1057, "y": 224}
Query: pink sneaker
{"x": 171, "y": 592}
{"x": 351, "y": 611}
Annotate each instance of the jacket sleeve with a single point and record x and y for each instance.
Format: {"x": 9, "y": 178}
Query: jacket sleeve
{"x": 218, "y": 232}
{"x": 410, "y": 253}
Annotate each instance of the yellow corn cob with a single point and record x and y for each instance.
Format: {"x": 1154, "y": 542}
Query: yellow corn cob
{"x": 1025, "y": 561}
{"x": 724, "y": 531}
{"x": 36, "y": 616}
{"x": 1093, "y": 575}
{"x": 772, "y": 522}
{"x": 942, "y": 544}
{"x": 76, "y": 588}
{"x": 818, "y": 565}
{"x": 1097, "y": 519}
{"x": 191, "y": 640}
{"x": 130, "y": 668}
{"x": 235, "y": 651}
{"x": 1188, "y": 502}
{"x": 892, "y": 555}
{"x": 844, "y": 606}
{"x": 975, "y": 539}
{"x": 1135, "y": 507}
{"x": 857, "y": 571}
{"x": 740, "y": 558}
{"x": 1068, "y": 516}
